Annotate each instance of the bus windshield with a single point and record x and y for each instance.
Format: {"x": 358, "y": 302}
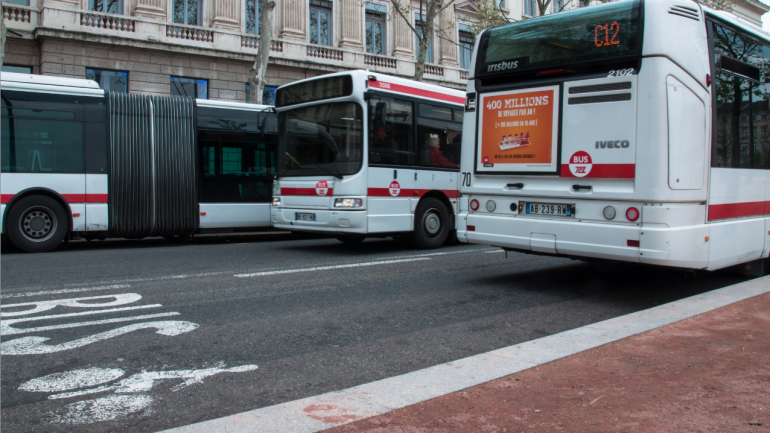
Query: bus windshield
{"x": 601, "y": 32}
{"x": 324, "y": 139}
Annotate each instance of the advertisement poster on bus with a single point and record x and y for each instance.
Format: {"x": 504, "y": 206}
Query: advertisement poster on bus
{"x": 518, "y": 131}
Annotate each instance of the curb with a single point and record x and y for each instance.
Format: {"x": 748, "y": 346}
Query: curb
{"x": 336, "y": 408}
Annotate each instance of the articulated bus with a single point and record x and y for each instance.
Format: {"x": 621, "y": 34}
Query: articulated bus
{"x": 79, "y": 162}
{"x": 635, "y": 131}
{"x": 368, "y": 155}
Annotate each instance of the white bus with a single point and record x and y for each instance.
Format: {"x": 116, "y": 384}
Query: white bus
{"x": 79, "y": 162}
{"x": 633, "y": 131}
{"x": 368, "y": 155}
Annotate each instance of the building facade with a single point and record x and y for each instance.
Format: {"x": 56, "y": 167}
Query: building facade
{"x": 205, "y": 48}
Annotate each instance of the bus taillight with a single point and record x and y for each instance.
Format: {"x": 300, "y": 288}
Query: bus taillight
{"x": 474, "y": 204}
{"x": 632, "y": 214}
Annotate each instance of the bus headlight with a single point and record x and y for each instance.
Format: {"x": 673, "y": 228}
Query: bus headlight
{"x": 348, "y": 202}
{"x": 276, "y": 201}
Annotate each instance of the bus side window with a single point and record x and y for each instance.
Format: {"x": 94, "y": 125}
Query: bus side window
{"x": 235, "y": 160}
{"x": 391, "y": 131}
{"x": 436, "y": 133}
{"x": 741, "y": 117}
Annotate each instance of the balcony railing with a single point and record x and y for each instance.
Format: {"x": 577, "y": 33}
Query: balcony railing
{"x": 324, "y": 52}
{"x": 434, "y": 70}
{"x": 16, "y": 14}
{"x": 463, "y": 74}
{"x": 189, "y": 33}
{"x": 380, "y": 62}
{"x": 107, "y": 21}
{"x": 253, "y": 42}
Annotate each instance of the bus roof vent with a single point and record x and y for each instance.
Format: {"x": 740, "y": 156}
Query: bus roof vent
{"x": 685, "y": 11}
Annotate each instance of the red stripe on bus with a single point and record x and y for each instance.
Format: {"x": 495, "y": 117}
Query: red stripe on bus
{"x": 406, "y": 192}
{"x": 737, "y": 210}
{"x": 384, "y": 85}
{"x": 304, "y": 191}
{"x": 611, "y": 171}
{"x": 70, "y": 198}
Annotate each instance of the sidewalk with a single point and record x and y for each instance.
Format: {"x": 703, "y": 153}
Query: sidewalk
{"x": 707, "y": 373}
{"x": 700, "y": 364}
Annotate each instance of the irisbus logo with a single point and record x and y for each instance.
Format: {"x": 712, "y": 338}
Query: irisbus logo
{"x": 503, "y": 66}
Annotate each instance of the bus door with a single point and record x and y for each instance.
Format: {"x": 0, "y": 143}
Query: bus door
{"x": 237, "y": 159}
{"x": 738, "y": 189}
{"x": 414, "y": 147}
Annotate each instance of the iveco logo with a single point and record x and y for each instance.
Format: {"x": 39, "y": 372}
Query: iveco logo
{"x": 502, "y": 66}
{"x": 613, "y": 144}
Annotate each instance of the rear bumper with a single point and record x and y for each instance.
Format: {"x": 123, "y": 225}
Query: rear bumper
{"x": 327, "y": 221}
{"x": 679, "y": 247}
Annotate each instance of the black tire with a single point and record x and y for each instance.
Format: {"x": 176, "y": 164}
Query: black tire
{"x": 431, "y": 224}
{"x": 37, "y": 224}
{"x": 351, "y": 239}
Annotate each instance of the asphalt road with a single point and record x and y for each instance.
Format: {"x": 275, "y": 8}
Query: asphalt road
{"x": 173, "y": 334}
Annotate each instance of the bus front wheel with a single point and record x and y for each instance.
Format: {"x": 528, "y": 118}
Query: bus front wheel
{"x": 431, "y": 224}
{"x": 37, "y": 224}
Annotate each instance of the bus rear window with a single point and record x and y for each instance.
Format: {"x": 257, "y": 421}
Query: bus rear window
{"x": 314, "y": 90}
{"x": 608, "y": 31}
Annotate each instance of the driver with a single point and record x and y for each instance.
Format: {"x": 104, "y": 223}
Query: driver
{"x": 383, "y": 140}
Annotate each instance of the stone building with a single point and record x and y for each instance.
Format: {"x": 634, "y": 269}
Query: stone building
{"x": 205, "y": 48}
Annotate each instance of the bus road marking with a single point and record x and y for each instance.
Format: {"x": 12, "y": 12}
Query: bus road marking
{"x": 7, "y": 329}
{"x": 57, "y": 292}
{"x": 37, "y": 346}
{"x": 325, "y": 268}
{"x": 14, "y": 331}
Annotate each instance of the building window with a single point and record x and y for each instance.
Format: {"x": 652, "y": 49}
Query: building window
{"x": 190, "y": 87}
{"x": 466, "y": 46}
{"x": 253, "y": 11}
{"x": 530, "y": 8}
{"x": 375, "y": 28}
{"x": 320, "y": 22}
{"x": 106, "y": 6}
{"x": 268, "y": 95}
{"x": 18, "y": 2}
{"x": 17, "y": 69}
{"x": 114, "y": 81}
{"x": 418, "y": 25}
{"x": 558, "y": 5}
{"x": 187, "y": 12}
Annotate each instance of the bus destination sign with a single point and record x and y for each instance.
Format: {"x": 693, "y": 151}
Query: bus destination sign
{"x": 519, "y": 131}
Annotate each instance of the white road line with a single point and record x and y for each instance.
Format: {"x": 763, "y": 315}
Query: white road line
{"x": 495, "y": 251}
{"x": 325, "y": 268}
{"x": 6, "y": 329}
{"x": 57, "y": 292}
{"x": 335, "y": 408}
{"x": 93, "y": 322}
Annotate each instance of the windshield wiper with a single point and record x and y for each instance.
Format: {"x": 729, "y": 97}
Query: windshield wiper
{"x": 337, "y": 175}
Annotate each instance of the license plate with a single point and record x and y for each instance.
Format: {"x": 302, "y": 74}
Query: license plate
{"x": 564, "y": 210}
{"x": 304, "y": 216}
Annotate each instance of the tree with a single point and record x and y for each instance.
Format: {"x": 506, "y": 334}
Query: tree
{"x": 424, "y": 29}
{"x": 488, "y": 14}
{"x": 257, "y": 72}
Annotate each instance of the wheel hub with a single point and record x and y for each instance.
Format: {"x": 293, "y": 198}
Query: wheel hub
{"x": 38, "y": 224}
{"x": 432, "y": 223}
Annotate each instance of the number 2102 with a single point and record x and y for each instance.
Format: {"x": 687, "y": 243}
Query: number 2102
{"x": 621, "y": 72}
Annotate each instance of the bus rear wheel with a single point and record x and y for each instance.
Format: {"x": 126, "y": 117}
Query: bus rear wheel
{"x": 431, "y": 224}
{"x": 37, "y": 224}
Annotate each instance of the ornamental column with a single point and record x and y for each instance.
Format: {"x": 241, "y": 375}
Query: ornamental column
{"x": 351, "y": 20}
{"x": 403, "y": 37}
{"x": 226, "y": 14}
{"x": 152, "y": 9}
{"x": 292, "y": 23}
{"x": 448, "y": 29}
